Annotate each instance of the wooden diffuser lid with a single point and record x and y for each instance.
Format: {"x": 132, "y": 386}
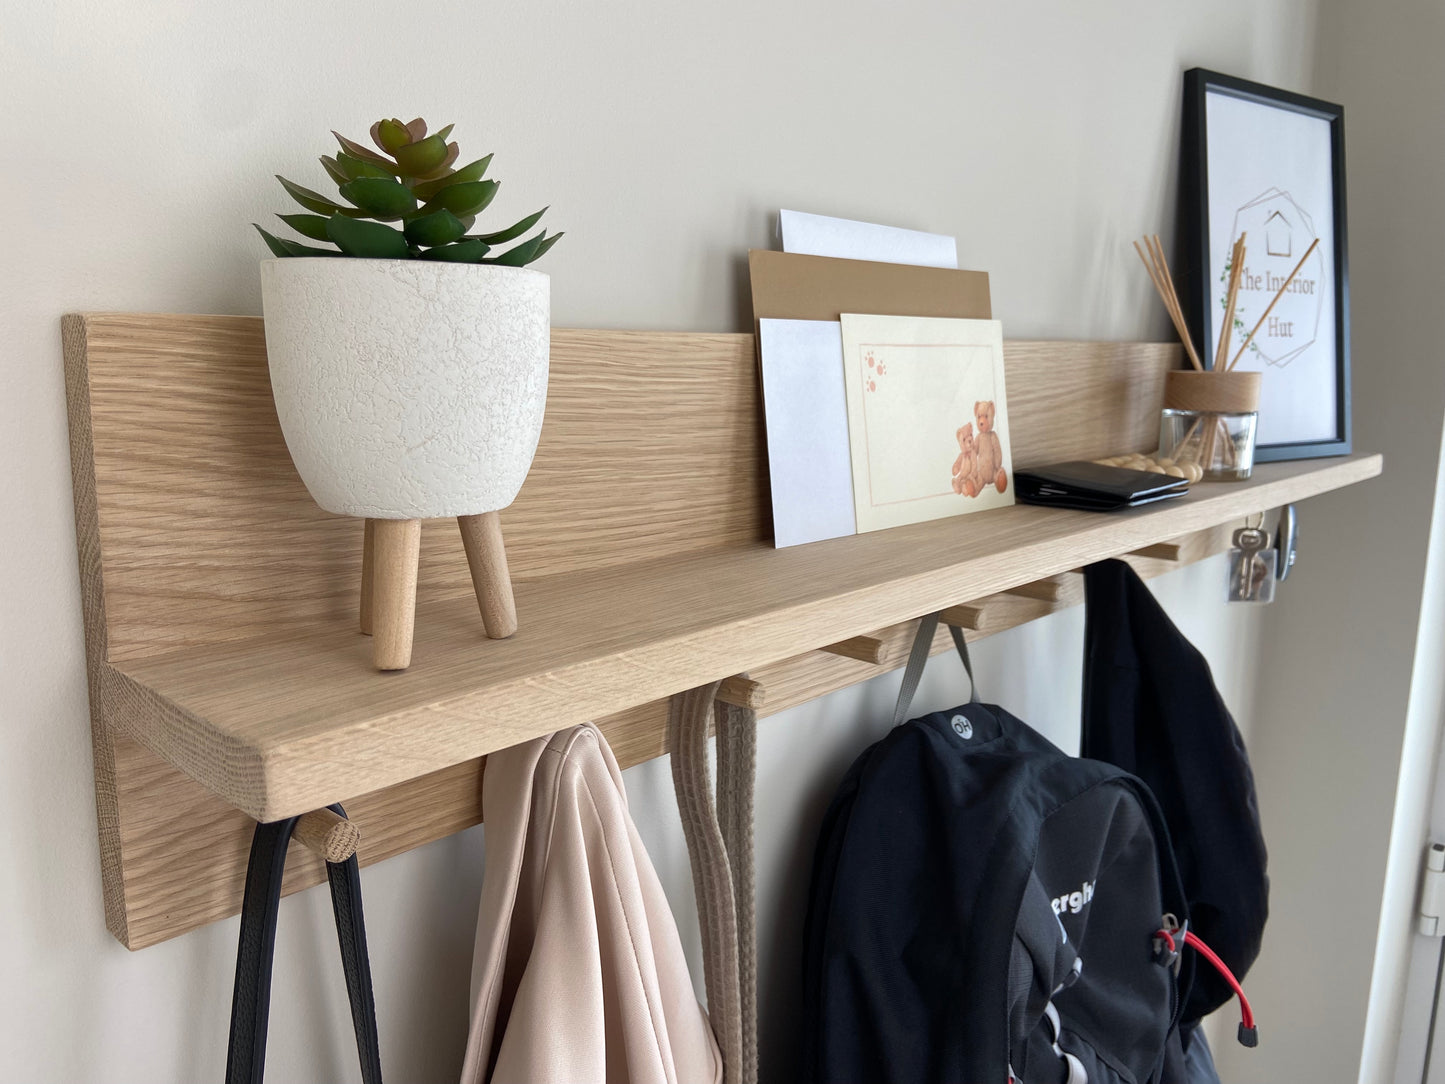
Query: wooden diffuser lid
{"x": 1221, "y": 393}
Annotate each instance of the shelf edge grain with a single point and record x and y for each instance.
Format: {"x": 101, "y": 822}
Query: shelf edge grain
{"x": 273, "y": 769}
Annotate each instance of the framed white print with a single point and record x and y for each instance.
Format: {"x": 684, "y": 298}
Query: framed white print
{"x": 1270, "y": 165}
{"x": 927, "y": 418}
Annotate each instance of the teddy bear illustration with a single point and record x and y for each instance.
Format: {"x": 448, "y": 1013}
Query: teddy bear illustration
{"x": 963, "y": 466}
{"x": 988, "y": 466}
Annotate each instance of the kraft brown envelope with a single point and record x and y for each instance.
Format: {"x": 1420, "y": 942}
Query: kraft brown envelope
{"x": 790, "y": 286}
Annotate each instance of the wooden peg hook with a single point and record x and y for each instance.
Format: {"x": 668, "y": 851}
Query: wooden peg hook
{"x": 964, "y": 617}
{"x": 742, "y": 692}
{"x": 1160, "y": 551}
{"x": 863, "y": 648}
{"x": 1042, "y": 590}
{"x": 328, "y": 834}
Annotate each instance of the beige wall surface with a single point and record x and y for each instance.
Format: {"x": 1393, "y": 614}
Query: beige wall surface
{"x": 1331, "y": 712}
{"x": 141, "y": 142}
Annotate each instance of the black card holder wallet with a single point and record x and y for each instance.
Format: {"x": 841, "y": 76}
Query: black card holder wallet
{"x": 1093, "y": 487}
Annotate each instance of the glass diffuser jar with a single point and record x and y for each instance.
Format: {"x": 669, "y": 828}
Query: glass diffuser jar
{"x": 1209, "y": 420}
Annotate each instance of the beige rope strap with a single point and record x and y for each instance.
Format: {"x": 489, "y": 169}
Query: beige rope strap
{"x": 737, "y": 749}
{"x": 720, "y": 849}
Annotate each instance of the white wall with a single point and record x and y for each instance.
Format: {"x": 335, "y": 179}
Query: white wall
{"x": 141, "y": 139}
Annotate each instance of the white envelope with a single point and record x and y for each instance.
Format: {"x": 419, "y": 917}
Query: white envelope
{"x": 842, "y": 238}
{"x": 806, "y": 411}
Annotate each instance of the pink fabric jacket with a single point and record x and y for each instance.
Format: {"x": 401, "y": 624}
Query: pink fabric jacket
{"x": 579, "y": 975}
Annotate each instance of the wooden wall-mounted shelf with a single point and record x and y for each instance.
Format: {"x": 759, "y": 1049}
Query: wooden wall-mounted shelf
{"x": 227, "y": 672}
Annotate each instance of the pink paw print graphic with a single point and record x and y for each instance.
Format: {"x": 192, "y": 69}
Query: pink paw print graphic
{"x": 877, "y": 367}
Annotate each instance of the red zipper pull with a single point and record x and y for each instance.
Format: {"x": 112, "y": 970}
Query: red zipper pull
{"x": 1248, "y": 1033}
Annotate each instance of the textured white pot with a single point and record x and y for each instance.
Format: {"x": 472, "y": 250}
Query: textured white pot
{"x": 408, "y": 389}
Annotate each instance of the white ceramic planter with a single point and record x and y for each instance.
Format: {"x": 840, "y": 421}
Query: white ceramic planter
{"x": 408, "y": 389}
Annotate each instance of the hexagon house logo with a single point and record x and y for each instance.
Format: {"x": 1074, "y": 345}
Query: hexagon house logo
{"x": 1279, "y": 230}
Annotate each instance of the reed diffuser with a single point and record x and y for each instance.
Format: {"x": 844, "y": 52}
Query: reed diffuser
{"x": 1207, "y": 429}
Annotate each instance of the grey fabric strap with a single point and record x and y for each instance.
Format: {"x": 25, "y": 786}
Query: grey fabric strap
{"x": 720, "y": 850}
{"x": 918, "y": 658}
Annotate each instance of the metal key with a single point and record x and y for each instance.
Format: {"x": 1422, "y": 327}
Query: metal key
{"x": 1250, "y": 540}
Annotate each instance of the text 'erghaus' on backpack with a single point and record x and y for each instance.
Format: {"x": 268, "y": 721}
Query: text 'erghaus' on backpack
{"x": 986, "y": 908}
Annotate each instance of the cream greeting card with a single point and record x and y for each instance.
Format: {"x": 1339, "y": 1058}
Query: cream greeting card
{"x": 927, "y": 418}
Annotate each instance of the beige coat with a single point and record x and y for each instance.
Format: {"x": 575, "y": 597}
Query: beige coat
{"x": 579, "y": 976}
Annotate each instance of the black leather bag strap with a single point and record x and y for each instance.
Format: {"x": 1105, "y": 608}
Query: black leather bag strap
{"x": 251, "y": 1000}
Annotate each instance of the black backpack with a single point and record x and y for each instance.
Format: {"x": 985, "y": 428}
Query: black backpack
{"x": 985, "y": 908}
{"x": 1151, "y": 707}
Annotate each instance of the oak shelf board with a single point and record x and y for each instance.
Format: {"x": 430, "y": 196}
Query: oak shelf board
{"x": 287, "y": 722}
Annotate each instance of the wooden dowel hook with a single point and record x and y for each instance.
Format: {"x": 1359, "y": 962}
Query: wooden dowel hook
{"x": 863, "y": 648}
{"x": 1160, "y": 551}
{"x": 1043, "y": 590}
{"x": 329, "y": 834}
{"x": 742, "y": 692}
{"x": 964, "y": 617}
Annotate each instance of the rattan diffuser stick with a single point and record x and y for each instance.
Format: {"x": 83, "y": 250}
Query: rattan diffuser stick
{"x": 1226, "y": 330}
{"x": 1158, "y": 269}
{"x": 1250, "y": 337}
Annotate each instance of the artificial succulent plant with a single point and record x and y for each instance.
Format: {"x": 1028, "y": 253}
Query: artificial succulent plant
{"x": 413, "y": 183}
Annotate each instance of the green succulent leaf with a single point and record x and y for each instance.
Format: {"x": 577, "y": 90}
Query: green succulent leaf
{"x": 366, "y": 154}
{"x": 468, "y": 251}
{"x": 279, "y": 246}
{"x": 312, "y": 201}
{"x": 356, "y": 168}
{"x": 519, "y": 255}
{"x": 333, "y": 169}
{"x": 390, "y": 134}
{"x": 446, "y": 167}
{"x": 472, "y": 171}
{"x": 467, "y": 198}
{"x": 370, "y": 240}
{"x": 438, "y": 228}
{"x": 546, "y": 246}
{"x": 529, "y": 250}
{"x": 415, "y": 183}
{"x": 501, "y": 237}
{"x": 312, "y": 226}
{"x": 421, "y": 158}
{"x": 380, "y": 197}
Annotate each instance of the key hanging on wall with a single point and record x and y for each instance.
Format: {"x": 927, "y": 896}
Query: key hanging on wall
{"x": 1251, "y": 564}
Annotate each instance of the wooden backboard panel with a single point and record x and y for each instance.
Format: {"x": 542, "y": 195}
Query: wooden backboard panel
{"x": 194, "y": 528}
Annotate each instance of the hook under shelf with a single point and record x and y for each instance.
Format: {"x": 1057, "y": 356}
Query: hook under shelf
{"x": 328, "y": 834}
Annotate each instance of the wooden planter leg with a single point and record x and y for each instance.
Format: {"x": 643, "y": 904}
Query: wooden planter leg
{"x": 396, "y": 548}
{"x": 487, "y": 557}
{"x": 368, "y": 569}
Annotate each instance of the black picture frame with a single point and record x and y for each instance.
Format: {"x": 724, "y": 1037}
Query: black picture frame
{"x": 1198, "y": 280}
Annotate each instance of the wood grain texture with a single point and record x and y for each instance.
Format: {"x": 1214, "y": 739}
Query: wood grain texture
{"x": 220, "y": 613}
{"x": 289, "y": 722}
{"x": 863, "y": 648}
{"x": 1050, "y": 590}
{"x": 187, "y": 865}
{"x": 329, "y": 835}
